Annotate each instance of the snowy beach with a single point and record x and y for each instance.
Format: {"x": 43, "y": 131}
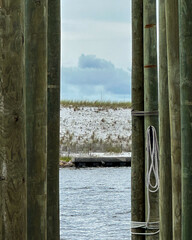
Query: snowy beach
{"x": 95, "y": 130}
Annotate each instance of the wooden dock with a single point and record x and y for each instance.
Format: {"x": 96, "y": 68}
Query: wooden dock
{"x": 102, "y": 161}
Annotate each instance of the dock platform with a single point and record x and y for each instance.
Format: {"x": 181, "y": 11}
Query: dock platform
{"x": 101, "y": 161}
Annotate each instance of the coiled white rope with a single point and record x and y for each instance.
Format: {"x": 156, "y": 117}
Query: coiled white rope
{"x": 152, "y": 173}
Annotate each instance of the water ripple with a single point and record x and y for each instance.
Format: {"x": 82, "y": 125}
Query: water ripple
{"x": 95, "y": 204}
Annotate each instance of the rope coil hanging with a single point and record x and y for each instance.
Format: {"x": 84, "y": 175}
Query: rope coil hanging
{"x": 152, "y": 170}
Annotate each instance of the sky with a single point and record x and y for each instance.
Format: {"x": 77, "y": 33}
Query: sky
{"x": 96, "y": 50}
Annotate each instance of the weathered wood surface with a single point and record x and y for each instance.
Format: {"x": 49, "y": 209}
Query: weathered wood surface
{"x": 13, "y": 165}
{"x": 151, "y": 89}
{"x": 36, "y": 115}
{"x": 165, "y": 193}
{"x": 185, "y": 13}
{"x": 53, "y": 121}
{"x": 138, "y": 152}
{"x": 174, "y": 109}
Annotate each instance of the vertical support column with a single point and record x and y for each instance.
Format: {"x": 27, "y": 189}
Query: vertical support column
{"x": 36, "y": 115}
{"x": 151, "y": 89}
{"x": 53, "y": 124}
{"x": 138, "y": 153}
{"x": 171, "y": 8}
{"x": 165, "y": 194}
{"x": 185, "y": 13}
{"x": 13, "y": 164}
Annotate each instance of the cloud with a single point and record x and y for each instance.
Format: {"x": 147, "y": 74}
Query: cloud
{"x": 90, "y": 61}
{"x": 95, "y": 77}
{"x": 107, "y": 10}
{"x": 96, "y": 27}
{"x": 109, "y": 40}
{"x": 91, "y": 29}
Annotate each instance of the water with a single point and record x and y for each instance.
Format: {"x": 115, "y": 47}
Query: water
{"x": 95, "y": 203}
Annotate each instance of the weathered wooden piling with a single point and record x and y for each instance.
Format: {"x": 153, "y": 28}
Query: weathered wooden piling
{"x": 53, "y": 120}
{"x": 174, "y": 109}
{"x": 36, "y": 116}
{"x": 151, "y": 89}
{"x": 165, "y": 194}
{"x": 13, "y": 164}
{"x": 138, "y": 152}
{"x": 185, "y": 13}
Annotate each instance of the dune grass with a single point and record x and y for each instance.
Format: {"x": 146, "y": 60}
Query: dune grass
{"x": 101, "y": 104}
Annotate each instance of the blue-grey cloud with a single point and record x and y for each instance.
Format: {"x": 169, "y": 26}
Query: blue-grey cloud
{"x": 95, "y": 77}
{"x": 90, "y": 61}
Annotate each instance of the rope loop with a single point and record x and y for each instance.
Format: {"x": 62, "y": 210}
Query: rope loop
{"x": 152, "y": 180}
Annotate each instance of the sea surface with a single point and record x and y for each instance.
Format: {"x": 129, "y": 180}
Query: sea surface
{"x": 95, "y": 203}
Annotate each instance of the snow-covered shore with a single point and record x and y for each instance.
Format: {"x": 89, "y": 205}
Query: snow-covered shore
{"x": 95, "y": 130}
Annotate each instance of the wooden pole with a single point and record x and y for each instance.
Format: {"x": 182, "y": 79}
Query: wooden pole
{"x": 138, "y": 153}
{"x": 174, "y": 106}
{"x": 36, "y": 115}
{"x": 13, "y": 164}
{"x": 165, "y": 194}
{"x": 151, "y": 88}
{"x": 185, "y": 13}
{"x": 53, "y": 124}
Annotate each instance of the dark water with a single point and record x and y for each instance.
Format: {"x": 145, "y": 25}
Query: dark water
{"x": 95, "y": 203}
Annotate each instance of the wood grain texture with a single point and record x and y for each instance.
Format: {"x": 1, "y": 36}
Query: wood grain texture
{"x": 165, "y": 194}
{"x": 185, "y": 13}
{"x": 53, "y": 121}
{"x": 172, "y": 26}
{"x": 151, "y": 89}
{"x": 138, "y": 153}
{"x": 36, "y": 115}
{"x": 13, "y": 164}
